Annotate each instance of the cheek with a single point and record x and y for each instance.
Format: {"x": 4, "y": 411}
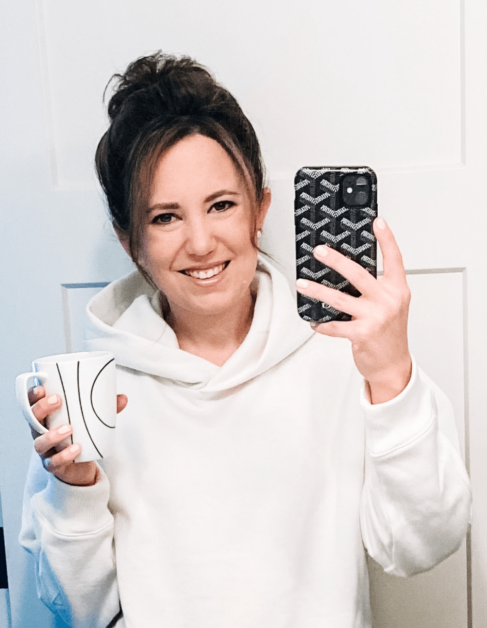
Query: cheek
{"x": 156, "y": 252}
{"x": 243, "y": 234}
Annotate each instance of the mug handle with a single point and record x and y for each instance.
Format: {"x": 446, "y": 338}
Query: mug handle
{"x": 21, "y": 390}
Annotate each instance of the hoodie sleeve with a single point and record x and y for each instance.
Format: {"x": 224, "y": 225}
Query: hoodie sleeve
{"x": 416, "y": 498}
{"x": 69, "y": 532}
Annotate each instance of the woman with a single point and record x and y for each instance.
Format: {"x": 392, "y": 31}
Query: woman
{"x": 254, "y": 460}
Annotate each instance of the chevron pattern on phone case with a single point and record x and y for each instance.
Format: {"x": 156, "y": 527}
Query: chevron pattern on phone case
{"x": 322, "y": 218}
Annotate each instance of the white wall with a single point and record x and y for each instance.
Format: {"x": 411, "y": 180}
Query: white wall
{"x": 395, "y": 85}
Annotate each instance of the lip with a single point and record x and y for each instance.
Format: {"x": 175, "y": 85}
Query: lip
{"x": 206, "y": 266}
{"x": 210, "y": 280}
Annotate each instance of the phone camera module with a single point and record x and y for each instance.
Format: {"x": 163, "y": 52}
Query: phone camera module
{"x": 355, "y": 190}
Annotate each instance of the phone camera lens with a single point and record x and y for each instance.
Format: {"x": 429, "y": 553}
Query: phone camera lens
{"x": 355, "y": 190}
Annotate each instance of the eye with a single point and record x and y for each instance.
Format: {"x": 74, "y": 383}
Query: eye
{"x": 164, "y": 219}
{"x": 222, "y": 206}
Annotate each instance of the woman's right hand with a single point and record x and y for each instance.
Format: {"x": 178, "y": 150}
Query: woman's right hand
{"x": 60, "y": 463}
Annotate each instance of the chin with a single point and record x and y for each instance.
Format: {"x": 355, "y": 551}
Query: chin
{"x": 213, "y": 305}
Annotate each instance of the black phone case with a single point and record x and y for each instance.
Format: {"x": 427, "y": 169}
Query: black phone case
{"x": 320, "y": 217}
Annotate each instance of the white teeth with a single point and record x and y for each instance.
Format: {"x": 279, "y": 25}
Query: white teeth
{"x": 205, "y": 274}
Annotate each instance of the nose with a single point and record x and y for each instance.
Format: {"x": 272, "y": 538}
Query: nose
{"x": 200, "y": 236}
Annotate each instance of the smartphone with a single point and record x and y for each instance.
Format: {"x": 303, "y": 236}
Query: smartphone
{"x": 334, "y": 206}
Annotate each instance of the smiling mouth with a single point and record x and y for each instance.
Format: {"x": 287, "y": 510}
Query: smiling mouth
{"x": 207, "y": 272}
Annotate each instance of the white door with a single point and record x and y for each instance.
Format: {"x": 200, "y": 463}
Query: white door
{"x": 398, "y": 86}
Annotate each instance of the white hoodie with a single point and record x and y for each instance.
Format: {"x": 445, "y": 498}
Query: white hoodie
{"x": 242, "y": 496}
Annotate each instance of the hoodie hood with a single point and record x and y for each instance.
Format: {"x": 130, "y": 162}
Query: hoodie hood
{"x": 124, "y": 318}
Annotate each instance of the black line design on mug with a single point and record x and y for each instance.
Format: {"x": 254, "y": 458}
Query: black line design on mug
{"x": 114, "y": 621}
{"x": 65, "y": 398}
{"x": 82, "y": 414}
{"x": 112, "y": 427}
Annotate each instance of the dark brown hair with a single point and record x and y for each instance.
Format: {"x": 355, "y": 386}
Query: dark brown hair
{"x": 159, "y": 100}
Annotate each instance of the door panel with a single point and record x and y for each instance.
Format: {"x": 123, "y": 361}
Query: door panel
{"x": 439, "y": 597}
{"x": 435, "y": 598}
{"x": 75, "y": 300}
{"x": 372, "y": 82}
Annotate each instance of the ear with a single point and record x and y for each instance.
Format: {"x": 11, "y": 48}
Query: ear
{"x": 264, "y": 207}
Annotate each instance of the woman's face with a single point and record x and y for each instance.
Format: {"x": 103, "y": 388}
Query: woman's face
{"x": 197, "y": 243}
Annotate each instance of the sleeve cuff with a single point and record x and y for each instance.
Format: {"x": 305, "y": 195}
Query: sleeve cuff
{"x": 75, "y": 510}
{"x": 399, "y": 421}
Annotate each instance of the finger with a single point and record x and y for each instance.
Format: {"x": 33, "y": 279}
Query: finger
{"x": 35, "y": 394}
{"x": 46, "y": 406}
{"x": 51, "y": 439}
{"x": 61, "y": 459}
{"x": 356, "y": 274}
{"x": 391, "y": 255}
{"x": 337, "y": 329}
{"x": 331, "y": 296}
{"x": 49, "y": 453}
{"x": 122, "y": 401}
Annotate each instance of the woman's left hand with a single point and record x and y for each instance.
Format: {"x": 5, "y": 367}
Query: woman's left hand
{"x": 378, "y": 329}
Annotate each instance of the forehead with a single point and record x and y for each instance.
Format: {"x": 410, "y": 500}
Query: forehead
{"x": 195, "y": 166}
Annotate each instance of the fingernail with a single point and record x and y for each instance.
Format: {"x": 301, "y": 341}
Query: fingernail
{"x": 46, "y": 462}
{"x": 302, "y": 283}
{"x": 322, "y": 250}
{"x": 64, "y": 429}
{"x": 314, "y": 325}
{"x": 35, "y": 391}
{"x": 74, "y": 448}
{"x": 52, "y": 400}
{"x": 381, "y": 223}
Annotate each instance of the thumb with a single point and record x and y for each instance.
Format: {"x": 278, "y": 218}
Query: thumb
{"x": 122, "y": 401}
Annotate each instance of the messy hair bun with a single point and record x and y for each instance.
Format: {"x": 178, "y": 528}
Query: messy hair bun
{"x": 157, "y": 101}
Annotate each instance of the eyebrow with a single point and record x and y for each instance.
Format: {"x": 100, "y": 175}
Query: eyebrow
{"x": 208, "y": 199}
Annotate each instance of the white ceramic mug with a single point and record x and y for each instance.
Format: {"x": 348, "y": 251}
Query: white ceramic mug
{"x": 86, "y": 383}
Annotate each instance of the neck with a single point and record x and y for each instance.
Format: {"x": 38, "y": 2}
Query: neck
{"x": 213, "y": 337}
